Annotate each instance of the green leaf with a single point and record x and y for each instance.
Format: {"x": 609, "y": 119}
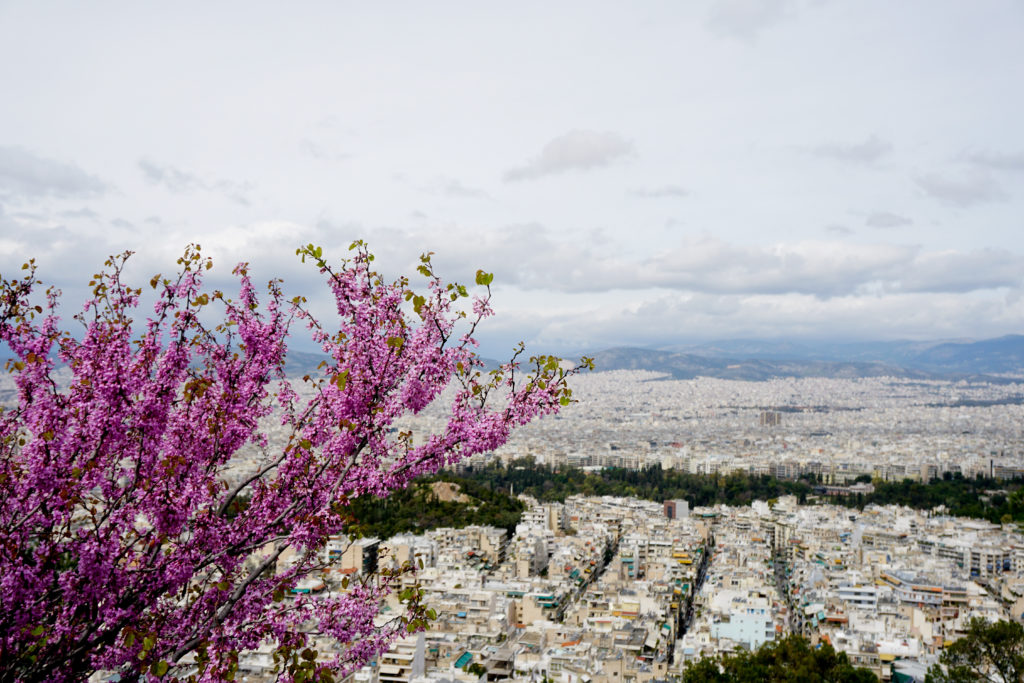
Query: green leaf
{"x": 483, "y": 278}
{"x": 159, "y": 668}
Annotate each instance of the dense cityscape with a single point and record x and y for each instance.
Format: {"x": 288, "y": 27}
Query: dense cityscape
{"x": 610, "y": 590}
{"x": 839, "y": 428}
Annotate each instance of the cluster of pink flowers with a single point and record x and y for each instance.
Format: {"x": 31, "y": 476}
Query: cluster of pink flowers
{"x": 123, "y": 547}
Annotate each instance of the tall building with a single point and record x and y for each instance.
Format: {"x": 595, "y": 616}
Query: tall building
{"x": 677, "y": 509}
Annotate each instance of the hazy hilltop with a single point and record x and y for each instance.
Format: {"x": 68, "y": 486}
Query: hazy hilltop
{"x": 761, "y": 359}
{"x": 692, "y": 365}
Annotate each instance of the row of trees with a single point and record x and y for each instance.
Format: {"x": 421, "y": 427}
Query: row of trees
{"x": 962, "y": 496}
{"x": 417, "y": 509}
{"x": 549, "y": 483}
{"x": 788, "y": 660}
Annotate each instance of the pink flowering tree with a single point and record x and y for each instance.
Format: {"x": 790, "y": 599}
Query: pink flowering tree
{"x": 135, "y": 539}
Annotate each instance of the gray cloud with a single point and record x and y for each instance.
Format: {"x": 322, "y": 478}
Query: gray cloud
{"x": 839, "y": 229}
{"x": 320, "y": 152}
{"x": 661, "y": 192}
{"x": 744, "y": 19}
{"x": 183, "y": 182}
{"x": 951, "y": 271}
{"x": 824, "y": 269}
{"x": 530, "y": 257}
{"x": 968, "y": 190}
{"x": 576, "y": 150}
{"x": 84, "y": 212}
{"x": 829, "y": 269}
{"x": 704, "y": 285}
{"x": 867, "y": 152}
{"x": 455, "y": 188}
{"x": 172, "y": 178}
{"x": 671, "y": 318}
{"x": 68, "y": 252}
{"x": 26, "y": 175}
{"x": 884, "y": 219}
{"x": 997, "y": 161}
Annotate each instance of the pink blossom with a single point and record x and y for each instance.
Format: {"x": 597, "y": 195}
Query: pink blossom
{"x": 123, "y": 545}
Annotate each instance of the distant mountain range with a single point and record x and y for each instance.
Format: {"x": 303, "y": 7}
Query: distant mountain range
{"x": 994, "y": 360}
{"x": 757, "y": 359}
{"x": 751, "y": 359}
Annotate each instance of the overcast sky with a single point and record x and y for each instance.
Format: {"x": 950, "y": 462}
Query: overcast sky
{"x": 634, "y": 173}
